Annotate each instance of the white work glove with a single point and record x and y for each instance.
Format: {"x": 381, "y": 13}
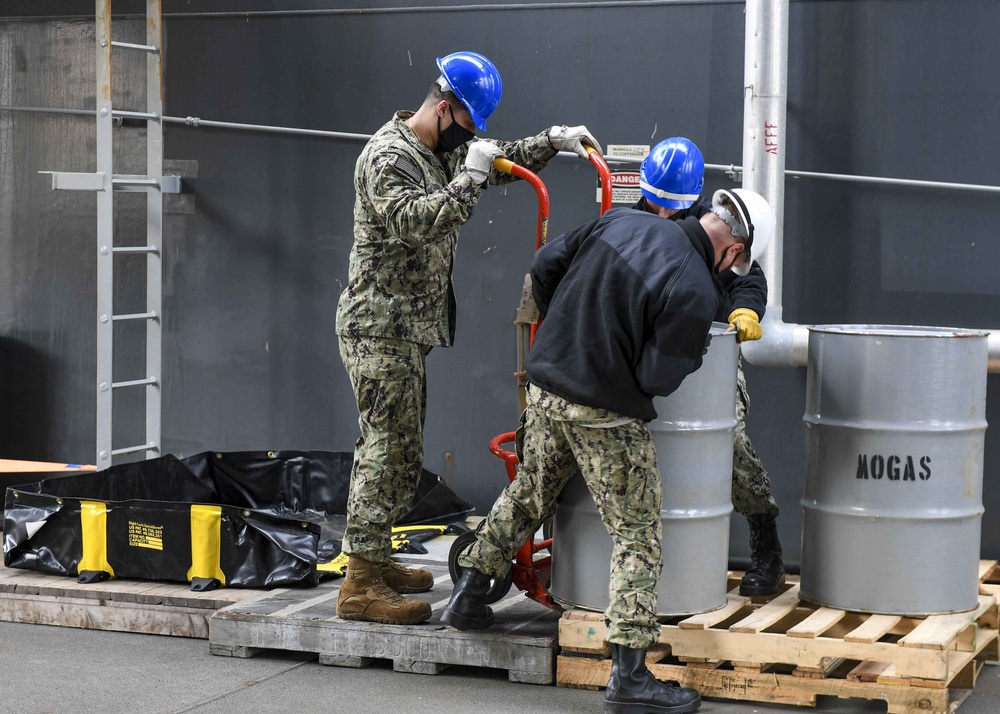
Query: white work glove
{"x": 571, "y": 138}
{"x": 479, "y": 160}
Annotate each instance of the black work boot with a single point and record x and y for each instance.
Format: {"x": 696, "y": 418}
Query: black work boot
{"x": 467, "y": 609}
{"x": 632, "y": 689}
{"x": 766, "y": 573}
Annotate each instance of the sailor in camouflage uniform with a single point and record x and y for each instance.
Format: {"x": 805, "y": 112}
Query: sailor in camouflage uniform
{"x": 742, "y": 299}
{"x": 417, "y": 181}
{"x": 628, "y": 301}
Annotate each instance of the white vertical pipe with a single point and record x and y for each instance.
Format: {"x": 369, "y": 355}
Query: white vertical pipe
{"x": 765, "y": 95}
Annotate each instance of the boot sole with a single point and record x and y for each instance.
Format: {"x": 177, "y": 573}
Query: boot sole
{"x": 384, "y": 620}
{"x": 462, "y": 622}
{"x": 637, "y": 708}
{"x": 404, "y": 590}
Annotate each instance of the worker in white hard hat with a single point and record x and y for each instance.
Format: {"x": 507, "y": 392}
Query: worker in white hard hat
{"x": 672, "y": 180}
{"x": 628, "y": 301}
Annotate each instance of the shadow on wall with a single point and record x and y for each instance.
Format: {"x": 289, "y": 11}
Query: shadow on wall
{"x": 24, "y": 398}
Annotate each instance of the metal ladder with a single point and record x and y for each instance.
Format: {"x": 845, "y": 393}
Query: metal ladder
{"x": 105, "y": 182}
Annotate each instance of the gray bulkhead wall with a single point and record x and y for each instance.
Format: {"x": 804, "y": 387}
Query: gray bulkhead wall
{"x": 252, "y": 277}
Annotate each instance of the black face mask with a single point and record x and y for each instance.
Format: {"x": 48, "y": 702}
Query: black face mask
{"x": 454, "y": 136}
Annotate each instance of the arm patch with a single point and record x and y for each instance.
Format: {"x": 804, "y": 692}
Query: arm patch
{"x": 407, "y": 167}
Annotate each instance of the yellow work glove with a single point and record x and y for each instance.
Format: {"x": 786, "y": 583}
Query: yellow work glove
{"x": 746, "y": 323}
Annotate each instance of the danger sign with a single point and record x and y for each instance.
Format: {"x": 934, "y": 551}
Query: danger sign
{"x": 624, "y": 187}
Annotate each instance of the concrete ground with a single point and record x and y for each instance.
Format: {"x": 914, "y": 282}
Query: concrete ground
{"x": 51, "y": 670}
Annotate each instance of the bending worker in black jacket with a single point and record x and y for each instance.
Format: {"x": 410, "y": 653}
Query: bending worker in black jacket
{"x": 675, "y": 179}
{"x": 628, "y": 301}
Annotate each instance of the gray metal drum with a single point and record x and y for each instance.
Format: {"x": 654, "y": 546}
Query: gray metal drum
{"x": 895, "y": 421}
{"x": 693, "y": 435}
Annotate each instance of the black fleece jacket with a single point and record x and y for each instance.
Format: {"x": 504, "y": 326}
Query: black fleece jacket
{"x": 735, "y": 291}
{"x": 628, "y": 300}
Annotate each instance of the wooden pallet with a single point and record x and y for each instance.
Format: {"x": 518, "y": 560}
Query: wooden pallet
{"x": 521, "y": 641}
{"x": 787, "y": 651}
{"x": 143, "y": 606}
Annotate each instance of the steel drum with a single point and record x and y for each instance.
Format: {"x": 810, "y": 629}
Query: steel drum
{"x": 895, "y": 421}
{"x": 693, "y": 435}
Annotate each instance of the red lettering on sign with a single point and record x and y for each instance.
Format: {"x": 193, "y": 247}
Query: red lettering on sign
{"x": 771, "y": 138}
{"x": 629, "y": 178}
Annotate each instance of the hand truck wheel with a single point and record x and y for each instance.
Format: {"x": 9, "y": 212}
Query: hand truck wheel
{"x": 498, "y": 589}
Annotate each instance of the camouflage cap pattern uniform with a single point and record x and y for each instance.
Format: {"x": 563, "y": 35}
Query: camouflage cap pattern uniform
{"x": 751, "y": 486}
{"x": 617, "y": 458}
{"x": 409, "y": 208}
{"x": 400, "y": 302}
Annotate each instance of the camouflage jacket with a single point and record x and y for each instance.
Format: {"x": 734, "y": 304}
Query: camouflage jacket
{"x": 410, "y": 204}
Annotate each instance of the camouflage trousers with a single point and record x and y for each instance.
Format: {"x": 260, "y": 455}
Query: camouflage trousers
{"x": 390, "y": 385}
{"x": 751, "y": 487}
{"x": 615, "y": 454}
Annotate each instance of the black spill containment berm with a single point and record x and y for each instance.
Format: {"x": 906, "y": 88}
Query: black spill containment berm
{"x": 239, "y": 519}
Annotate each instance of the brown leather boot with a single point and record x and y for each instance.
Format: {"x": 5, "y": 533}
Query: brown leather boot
{"x": 365, "y": 596}
{"x": 407, "y": 580}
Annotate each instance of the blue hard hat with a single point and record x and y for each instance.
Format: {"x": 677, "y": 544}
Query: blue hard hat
{"x": 475, "y": 81}
{"x": 673, "y": 173}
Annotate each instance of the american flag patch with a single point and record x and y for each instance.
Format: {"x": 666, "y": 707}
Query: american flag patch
{"x": 409, "y": 168}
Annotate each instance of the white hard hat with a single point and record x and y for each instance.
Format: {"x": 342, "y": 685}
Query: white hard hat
{"x": 749, "y": 216}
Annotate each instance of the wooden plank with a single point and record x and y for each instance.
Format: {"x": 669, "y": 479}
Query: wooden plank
{"x": 967, "y": 678}
{"x": 986, "y": 569}
{"x": 767, "y": 647}
{"x": 762, "y": 687}
{"x": 706, "y": 664}
{"x": 321, "y": 606}
{"x": 522, "y": 639}
{"x": 16, "y": 466}
{"x": 339, "y": 660}
{"x": 991, "y": 617}
{"x": 419, "y": 643}
{"x": 174, "y": 594}
{"x": 212, "y": 600}
{"x": 734, "y": 603}
{"x": 873, "y": 629}
{"x": 769, "y": 613}
{"x": 867, "y": 671}
{"x": 817, "y": 623}
{"x": 270, "y": 602}
{"x": 938, "y": 632}
{"x": 95, "y": 615}
{"x": 657, "y": 653}
{"x": 989, "y": 589}
{"x": 955, "y": 659}
{"x": 31, "y": 583}
{"x": 414, "y": 667}
{"x": 889, "y": 675}
{"x": 991, "y": 652}
{"x": 582, "y": 672}
{"x": 233, "y": 651}
{"x": 123, "y": 591}
{"x": 957, "y": 697}
{"x": 577, "y": 614}
{"x": 583, "y": 634}
{"x": 829, "y": 669}
{"x": 9, "y": 572}
{"x": 160, "y": 591}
